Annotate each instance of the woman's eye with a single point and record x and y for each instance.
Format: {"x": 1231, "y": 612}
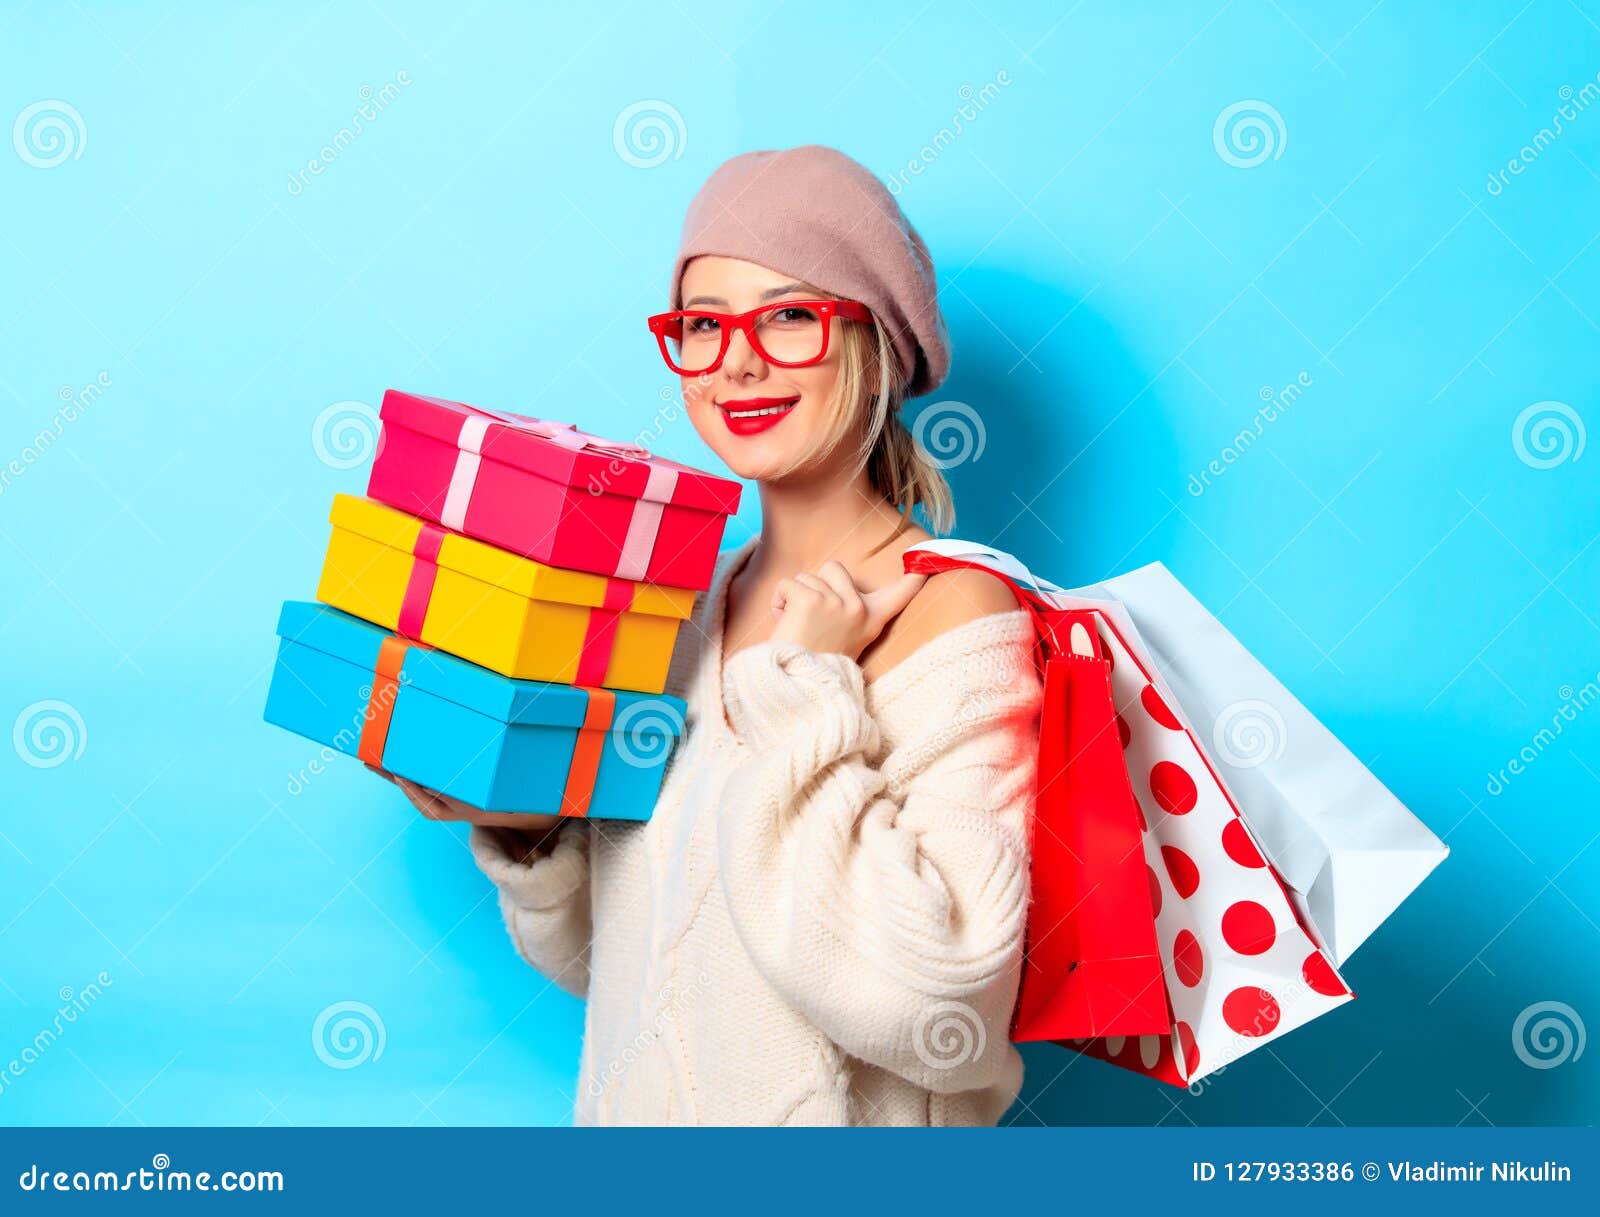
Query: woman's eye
{"x": 701, "y": 327}
{"x": 794, "y": 316}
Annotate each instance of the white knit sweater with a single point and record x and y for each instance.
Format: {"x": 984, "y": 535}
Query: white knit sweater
{"x": 822, "y": 922}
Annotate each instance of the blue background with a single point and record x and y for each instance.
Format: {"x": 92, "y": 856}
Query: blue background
{"x": 1119, "y": 295}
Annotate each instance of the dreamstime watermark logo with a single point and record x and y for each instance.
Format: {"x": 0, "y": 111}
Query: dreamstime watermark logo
{"x": 1547, "y": 434}
{"x": 949, "y": 1034}
{"x": 348, "y": 1034}
{"x": 972, "y": 102}
{"x": 74, "y": 405}
{"x": 74, "y": 1003}
{"x": 49, "y": 133}
{"x": 1248, "y": 733}
{"x": 1573, "y": 703}
{"x": 1548, "y": 1034}
{"x": 372, "y": 103}
{"x": 645, "y": 732}
{"x": 1249, "y": 133}
{"x": 667, "y": 413}
{"x": 49, "y": 733}
{"x": 345, "y": 434}
{"x": 1275, "y": 404}
{"x": 951, "y": 433}
{"x": 346, "y": 740}
{"x": 1573, "y": 103}
{"x": 649, "y": 133}
{"x": 671, "y": 1003}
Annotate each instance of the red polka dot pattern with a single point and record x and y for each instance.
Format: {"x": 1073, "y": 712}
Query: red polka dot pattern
{"x": 1248, "y": 928}
{"x": 1319, "y": 974}
{"x": 1236, "y": 841}
{"x": 1157, "y": 709}
{"x": 1229, "y": 952}
{"x": 1187, "y": 961}
{"x": 1185, "y": 875}
{"x": 1173, "y": 789}
{"x": 1251, "y": 1011}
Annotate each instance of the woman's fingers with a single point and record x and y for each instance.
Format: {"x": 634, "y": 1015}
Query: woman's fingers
{"x": 885, "y": 604}
{"x": 795, "y": 591}
{"x": 834, "y": 574}
{"x": 436, "y": 806}
{"x": 431, "y": 803}
{"x": 817, "y": 584}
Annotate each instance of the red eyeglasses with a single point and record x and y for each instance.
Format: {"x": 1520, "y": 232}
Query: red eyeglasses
{"x": 790, "y": 334}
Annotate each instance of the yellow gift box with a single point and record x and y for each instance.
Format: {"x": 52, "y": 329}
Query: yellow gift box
{"x": 507, "y": 613}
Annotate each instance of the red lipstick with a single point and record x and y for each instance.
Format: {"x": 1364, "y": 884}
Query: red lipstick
{"x": 753, "y": 415}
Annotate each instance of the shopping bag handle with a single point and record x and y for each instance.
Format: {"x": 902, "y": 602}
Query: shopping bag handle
{"x": 1045, "y": 616}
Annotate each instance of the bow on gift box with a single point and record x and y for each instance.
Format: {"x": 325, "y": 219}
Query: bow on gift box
{"x": 643, "y": 525}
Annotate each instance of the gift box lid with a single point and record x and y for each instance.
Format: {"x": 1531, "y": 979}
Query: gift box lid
{"x": 562, "y": 453}
{"x": 525, "y": 702}
{"x": 482, "y": 561}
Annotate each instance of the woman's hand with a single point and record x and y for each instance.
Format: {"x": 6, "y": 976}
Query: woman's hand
{"x": 824, "y": 612}
{"x": 436, "y": 806}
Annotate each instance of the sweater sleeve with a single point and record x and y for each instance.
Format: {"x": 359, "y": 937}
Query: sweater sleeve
{"x": 885, "y": 897}
{"x": 544, "y": 899}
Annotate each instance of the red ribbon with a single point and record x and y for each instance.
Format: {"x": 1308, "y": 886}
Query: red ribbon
{"x": 594, "y": 659}
{"x": 419, "y": 587}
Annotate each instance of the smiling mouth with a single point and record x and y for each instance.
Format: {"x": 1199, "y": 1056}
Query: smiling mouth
{"x": 758, "y": 407}
{"x": 761, "y": 413}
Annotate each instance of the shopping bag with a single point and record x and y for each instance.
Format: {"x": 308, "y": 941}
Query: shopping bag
{"x": 1091, "y": 965}
{"x": 1242, "y": 969}
{"x": 1092, "y": 959}
{"x": 1243, "y": 965}
{"x": 1349, "y": 850}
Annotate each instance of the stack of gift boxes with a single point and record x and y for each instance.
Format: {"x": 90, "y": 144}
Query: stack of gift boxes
{"x": 496, "y": 618}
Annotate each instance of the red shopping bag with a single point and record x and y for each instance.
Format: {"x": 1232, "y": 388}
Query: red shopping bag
{"x": 1091, "y": 965}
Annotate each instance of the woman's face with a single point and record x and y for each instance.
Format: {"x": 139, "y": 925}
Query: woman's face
{"x": 794, "y": 422}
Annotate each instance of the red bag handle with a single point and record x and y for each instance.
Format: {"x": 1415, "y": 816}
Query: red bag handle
{"x": 925, "y": 562}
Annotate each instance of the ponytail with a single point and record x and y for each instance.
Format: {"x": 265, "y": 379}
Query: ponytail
{"x": 897, "y": 467}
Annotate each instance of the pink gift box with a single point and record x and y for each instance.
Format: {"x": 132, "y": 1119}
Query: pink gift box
{"x": 551, "y": 492}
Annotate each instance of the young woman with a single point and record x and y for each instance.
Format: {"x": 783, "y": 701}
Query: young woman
{"x": 822, "y": 921}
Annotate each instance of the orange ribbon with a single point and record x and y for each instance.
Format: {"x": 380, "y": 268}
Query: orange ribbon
{"x": 587, "y": 748}
{"x": 586, "y": 752}
{"x": 380, "y": 703}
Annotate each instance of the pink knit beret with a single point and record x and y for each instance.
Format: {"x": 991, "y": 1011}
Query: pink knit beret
{"x": 814, "y": 213}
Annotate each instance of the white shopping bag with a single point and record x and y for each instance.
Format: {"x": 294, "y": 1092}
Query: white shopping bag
{"x": 1348, "y": 850}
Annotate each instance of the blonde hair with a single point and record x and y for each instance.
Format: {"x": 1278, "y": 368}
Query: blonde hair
{"x": 866, "y": 400}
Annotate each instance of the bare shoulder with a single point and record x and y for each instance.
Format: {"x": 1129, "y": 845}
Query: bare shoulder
{"x": 947, "y": 601}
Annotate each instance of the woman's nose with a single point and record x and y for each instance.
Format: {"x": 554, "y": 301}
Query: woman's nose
{"x": 741, "y": 358}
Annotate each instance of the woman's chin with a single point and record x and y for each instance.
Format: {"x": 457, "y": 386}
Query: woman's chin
{"x": 757, "y": 459}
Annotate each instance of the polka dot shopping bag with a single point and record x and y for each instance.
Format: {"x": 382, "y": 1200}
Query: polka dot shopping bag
{"x": 1240, "y": 960}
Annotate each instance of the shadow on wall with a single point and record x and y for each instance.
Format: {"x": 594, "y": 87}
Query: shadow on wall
{"x": 1392, "y": 1059}
{"x": 1051, "y": 427}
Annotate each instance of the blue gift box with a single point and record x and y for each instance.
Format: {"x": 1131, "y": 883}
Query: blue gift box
{"x": 493, "y": 742}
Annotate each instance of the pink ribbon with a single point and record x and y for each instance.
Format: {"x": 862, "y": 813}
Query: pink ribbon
{"x": 643, "y": 525}
{"x": 419, "y": 587}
